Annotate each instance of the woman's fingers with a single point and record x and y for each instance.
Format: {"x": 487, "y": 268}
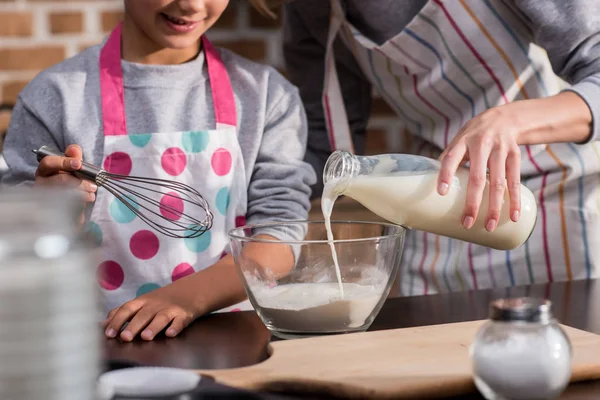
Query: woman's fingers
{"x": 479, "y": 154}
{"x": 497, "y": 167}
{"x": 513, "y": 176}
{"x": 451, "y": 159}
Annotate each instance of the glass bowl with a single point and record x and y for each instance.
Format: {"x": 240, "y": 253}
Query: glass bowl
{"x": 290, "y": 277}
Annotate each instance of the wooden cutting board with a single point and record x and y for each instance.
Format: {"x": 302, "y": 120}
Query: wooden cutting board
{"x": 422, "y": 362}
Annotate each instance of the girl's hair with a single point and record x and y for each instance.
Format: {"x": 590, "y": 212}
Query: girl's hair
{"x": 266, "y": 6}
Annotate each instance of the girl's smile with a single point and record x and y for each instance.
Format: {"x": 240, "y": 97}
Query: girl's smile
{"x": 167, "y": 31}
{"x": 179, "y": 25}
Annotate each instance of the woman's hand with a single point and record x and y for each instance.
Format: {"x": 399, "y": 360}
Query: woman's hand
{"x": 56, "y": 171}
{"x": 489, "y": 140}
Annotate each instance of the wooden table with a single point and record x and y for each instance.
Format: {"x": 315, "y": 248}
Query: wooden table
{"x": 240, "y": 339}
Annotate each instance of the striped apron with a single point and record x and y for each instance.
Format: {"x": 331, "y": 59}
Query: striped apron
{"x": 454, "y": 60}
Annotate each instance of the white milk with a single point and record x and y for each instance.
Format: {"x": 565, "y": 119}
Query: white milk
{"x": 327, "y": 199}
{"x": 317, "y": 307}
{"x": 412, "y": 200}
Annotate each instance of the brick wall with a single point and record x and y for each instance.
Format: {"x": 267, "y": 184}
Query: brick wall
{"x": 35, "y": 34}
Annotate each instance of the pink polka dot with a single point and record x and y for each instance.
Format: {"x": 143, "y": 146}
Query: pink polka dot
{"x": 236, "y": 310}
{"x": 182, "y": 270}
{"x": 144, "y": 245}
{"x": 240, "y": 221}
{"x": 118, "y": 163}
{"x": 171, "y": 206}
{"x": 110, "y": 275}
{"x": 221, "y": 161}
{"x": 173, "y": 161}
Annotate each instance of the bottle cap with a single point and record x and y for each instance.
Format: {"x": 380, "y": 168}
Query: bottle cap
{"x": 525, "y": 309}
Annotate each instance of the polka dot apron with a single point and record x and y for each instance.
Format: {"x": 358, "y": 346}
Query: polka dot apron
{"x": 135, "y": 259}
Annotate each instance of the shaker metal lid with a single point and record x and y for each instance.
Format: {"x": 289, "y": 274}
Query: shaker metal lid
{"x": 525, "y": 309}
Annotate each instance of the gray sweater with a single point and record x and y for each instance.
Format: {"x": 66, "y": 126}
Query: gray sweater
{"x": 569, "y": 30}
{"x": 62, "y": 106}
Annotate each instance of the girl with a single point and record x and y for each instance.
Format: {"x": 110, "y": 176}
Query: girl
{"x": 468, "y": 84}
{"x": 232, "y": 129}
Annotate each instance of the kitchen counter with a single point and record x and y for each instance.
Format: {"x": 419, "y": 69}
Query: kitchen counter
{"x": 240, "y": 339}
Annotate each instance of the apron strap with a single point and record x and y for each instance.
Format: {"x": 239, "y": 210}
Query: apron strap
{"x": 336, "y": 118}
{"x": 220, "y": 85}
{"x": 113, "y": 97}
{"x": 111, "y": 86}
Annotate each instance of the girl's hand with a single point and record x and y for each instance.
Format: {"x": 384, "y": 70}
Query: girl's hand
{"x": 56, "y": 171}
{"x": 489, "y": 140}
{"x": 149, "y": 314}
{"x": 176, "y": 305}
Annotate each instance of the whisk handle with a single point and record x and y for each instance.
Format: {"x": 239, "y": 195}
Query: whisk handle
{"x": 87, "y": 171}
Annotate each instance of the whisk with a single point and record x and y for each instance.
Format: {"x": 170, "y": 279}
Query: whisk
{"x": 142, "y": 196}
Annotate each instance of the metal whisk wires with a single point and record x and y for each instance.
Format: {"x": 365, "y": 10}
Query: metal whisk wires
{"x": 169, "y": 207}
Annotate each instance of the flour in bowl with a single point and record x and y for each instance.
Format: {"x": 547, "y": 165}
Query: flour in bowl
{"x": 317, "y": 307}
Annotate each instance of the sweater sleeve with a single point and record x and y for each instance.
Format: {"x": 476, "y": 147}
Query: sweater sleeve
{"x": 569, "y": 31}
{"x": 26, "y": 132}
{"x": 306, "y": 25}
{"x": 279, "y": 188}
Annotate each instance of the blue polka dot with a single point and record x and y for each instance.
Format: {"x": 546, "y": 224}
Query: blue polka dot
{"x": 120, "y": 212}
{"x": 194, "y": 142}
{"x": 197, "y": 244}
{"x": 93, "y": 229}
{"x": 140, "y": 140}
{"x": 146, "y": 288}
{"x": 222, "y": 200}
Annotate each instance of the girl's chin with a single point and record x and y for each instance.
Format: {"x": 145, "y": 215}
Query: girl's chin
{"x": 179, "y": 43}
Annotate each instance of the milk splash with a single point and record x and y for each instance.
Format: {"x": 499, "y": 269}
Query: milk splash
{"x": 328, "y": 198}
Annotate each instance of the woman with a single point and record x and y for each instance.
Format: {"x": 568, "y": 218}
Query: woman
{"x": 468, "y": 83}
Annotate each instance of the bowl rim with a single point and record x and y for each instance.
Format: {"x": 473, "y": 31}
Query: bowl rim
{"x": 232, "y": 235}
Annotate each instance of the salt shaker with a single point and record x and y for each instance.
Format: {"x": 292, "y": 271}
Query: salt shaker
{"x": 521, "y": 352}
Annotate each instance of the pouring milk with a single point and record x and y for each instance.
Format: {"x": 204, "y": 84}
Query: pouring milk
{"x": 402, "y": 189}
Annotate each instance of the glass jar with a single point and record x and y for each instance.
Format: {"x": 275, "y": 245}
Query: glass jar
{"x": 521, "y": 352}
{"x": 402, "y": 188}
{"x": 49, "y": 336}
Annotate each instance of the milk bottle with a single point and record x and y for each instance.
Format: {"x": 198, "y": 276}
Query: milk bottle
{"x": 402, "y": 188}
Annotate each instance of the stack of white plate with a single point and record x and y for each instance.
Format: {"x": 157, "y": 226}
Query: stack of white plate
{"x": 49, "y": 333}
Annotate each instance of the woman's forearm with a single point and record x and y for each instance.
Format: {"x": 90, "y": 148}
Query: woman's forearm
{"x": 564, "y": 117}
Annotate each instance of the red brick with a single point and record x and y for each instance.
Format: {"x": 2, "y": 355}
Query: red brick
{"x": 66, "y": 22}
{"x": 10, "y": 90}
{"x": 85, "y": 46}
{"x": 16, "y": 24}
{"x": 30, "y": 58}
{"x": 110, "y": 19}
